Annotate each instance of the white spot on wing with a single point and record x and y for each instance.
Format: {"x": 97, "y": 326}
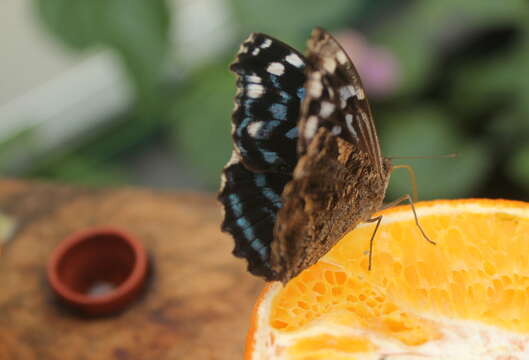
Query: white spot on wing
{"x": 255, "y": 51}
{"x": 222, "y": 182}
{"x": 235, "y": 158}
{"x": 294, "y": 60}
{"x": 346, "y": 92}
{"x": 360, "y": 94}
{"x": 336, "y": 130}
{"x": 266, "y": 44}
{"x": 341, "y": 57}
{"x": 310, "y": 127}
{"x": 253, "y": 128}
{"x": 326, "y": 109}
{"x": 253, "y": 79}
{"x": 329, "y": 65}
{"x": 255, "y": 91}
{"x": 243, "y": 49}
{"x": 276, "y": 68}
{"x": 349, "y": 123}
{"x": 315, "y": 87}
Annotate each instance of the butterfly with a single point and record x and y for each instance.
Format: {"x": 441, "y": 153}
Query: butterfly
{"x": 306, "y": 165}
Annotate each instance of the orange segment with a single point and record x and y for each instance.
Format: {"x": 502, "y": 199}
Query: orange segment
{"x": 323, "y": 346}
{"x": 350, "y": 302}
{"x": 420, "y": 298}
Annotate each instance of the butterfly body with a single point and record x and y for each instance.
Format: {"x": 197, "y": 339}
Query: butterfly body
{"x": 306, "y": 164}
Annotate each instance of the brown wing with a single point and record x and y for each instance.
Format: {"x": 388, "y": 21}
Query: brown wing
{"x": 335, "y": 99}
{"x": 334, "y": 187}
{"x": 340, "y": 178}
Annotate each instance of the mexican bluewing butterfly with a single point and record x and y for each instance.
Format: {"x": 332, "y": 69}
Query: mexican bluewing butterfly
{"x": 306, "y": 165}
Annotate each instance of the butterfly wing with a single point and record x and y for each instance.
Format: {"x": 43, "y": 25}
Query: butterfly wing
{"x": 270, "y": 79}
{"x": 296, "y": 122}
{"x": 336, "y": 99}
{"x": 340, "y": 177}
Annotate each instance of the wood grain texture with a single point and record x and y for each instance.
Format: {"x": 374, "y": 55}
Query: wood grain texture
{"x": 197, "y": 302}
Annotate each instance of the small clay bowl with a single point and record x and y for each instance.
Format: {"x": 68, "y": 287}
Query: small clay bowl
{"x": 98, "y": 271}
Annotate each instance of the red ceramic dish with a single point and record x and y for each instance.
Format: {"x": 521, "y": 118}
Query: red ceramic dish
{"x": 98, "y": 271}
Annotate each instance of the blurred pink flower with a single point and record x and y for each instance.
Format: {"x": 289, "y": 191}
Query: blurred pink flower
{"x": 377, "y": 66}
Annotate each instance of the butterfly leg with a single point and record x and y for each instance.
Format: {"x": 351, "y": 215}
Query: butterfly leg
{"x": 413, "y": 179}
{"x": 404, "y": 198}
{"x": 378, "y": 219}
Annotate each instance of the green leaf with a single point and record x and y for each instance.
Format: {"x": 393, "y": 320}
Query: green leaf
{"x": 136, "y": 29}
{"x": 417, "y": 36}
{"x": 519, "y": 167}
{"x": 77, "y": 169}
{"x": 493, "y": 79}
{"x": 72, "y": 21}
{"x": 202, "y": 117}
{"x": 428, "y": 132}
{"x": 509, "y": 131}
{"x": 292, "y": 20}
{"x": 23, "y": 139}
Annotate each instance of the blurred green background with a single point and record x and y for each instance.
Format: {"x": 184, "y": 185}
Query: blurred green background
{"x": 442, "y": 77}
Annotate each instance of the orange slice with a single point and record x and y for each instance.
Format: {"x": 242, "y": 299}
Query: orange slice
{"x": 465, "y": 298}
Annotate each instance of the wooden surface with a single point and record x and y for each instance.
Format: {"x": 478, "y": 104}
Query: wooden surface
{"x": 197, "y": 302}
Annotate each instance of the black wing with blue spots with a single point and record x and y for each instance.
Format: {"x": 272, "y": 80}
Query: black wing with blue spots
{"x": 251, "y": 202}
{"x": 270, "y": 87}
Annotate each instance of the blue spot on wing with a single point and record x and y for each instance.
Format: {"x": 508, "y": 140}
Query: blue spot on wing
{"x": 292, "y": 133}
{"x": 243, "y": 224}
{"x": 272, "y": 196}
{"x": 247, "y": 105}
{"x": 279, "y": 111}
{"x": 244, "y": 124}
{"x": 248, "y": 232}
{"x": 266, "y": 130}
{"x": 260, "y": 180}
{"x": 275, "y": 81}
{"x": 285, "y": 97}
{"x": 267, "y": 150}
{"x": 270, "y": 156}
{"x": 301, "y": 93}
{"x": 269, "y": 193}
{"x": 235, "y": 204}
{"x": 252, "y": 192}
{"x": 263, "y": 251}
{"x": 251, "y": 201}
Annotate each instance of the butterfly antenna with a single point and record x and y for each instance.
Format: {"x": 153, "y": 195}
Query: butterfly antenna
{"x": 445, "y": 156}
{"x": 411, "y": 172}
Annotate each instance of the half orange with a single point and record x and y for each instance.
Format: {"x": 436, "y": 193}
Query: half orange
{"x": 465, "y": 298}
